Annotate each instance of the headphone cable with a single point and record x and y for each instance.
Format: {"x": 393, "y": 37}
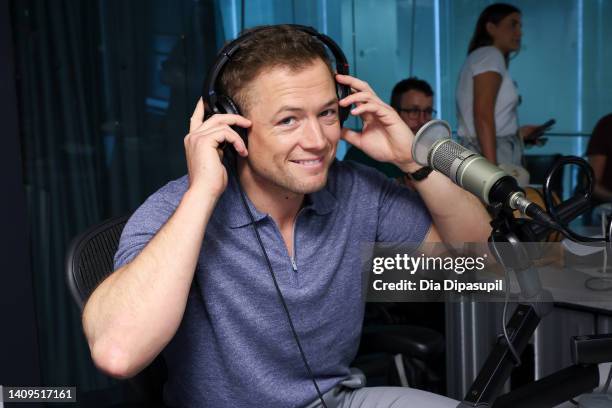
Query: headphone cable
{"x": 280, "y": 294}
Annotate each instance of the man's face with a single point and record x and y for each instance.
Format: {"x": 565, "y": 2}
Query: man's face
{"x": 295, "y": 128}
{"x": 416, "y": 109}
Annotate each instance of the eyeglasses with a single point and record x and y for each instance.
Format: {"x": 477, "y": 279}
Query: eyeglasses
{"x": 415, "y": 113}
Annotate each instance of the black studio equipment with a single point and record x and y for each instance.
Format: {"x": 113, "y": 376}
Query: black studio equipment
{"x": 433, "y": 147}
{"x": 218, "y": 103}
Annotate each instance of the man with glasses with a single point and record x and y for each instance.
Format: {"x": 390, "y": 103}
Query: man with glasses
{"x": 412, "y": 98}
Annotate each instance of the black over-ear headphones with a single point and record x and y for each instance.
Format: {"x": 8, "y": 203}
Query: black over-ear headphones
{"x": 216, "y": 102}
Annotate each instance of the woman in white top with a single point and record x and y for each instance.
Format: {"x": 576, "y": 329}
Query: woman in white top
{"x": 487, "y": 98}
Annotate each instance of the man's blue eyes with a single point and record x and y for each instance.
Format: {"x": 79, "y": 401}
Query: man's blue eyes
{"x": 291, "y": 119}
{"x": 286, "y": 121}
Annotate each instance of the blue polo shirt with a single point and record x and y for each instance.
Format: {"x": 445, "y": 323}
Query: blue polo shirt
{"x": 234, "y": 347}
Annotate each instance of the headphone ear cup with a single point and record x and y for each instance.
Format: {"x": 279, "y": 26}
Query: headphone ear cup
{"x": 343, "y": 91}
{"x": 227, "y": 105}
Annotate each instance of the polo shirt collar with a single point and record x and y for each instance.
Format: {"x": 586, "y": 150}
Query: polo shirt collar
{"x": 231, "y": 212}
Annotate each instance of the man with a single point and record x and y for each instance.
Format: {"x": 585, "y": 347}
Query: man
{"x": 191, "y": 280}
{"x": 412, "y": 98}
{"x": 599, "y": 152}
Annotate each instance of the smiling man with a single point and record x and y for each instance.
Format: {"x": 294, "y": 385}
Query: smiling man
{"x": 292, "y": 145}
{"x": 192, "y": 281}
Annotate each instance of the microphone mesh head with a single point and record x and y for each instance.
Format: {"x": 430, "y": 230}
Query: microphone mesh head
{"x": 445, "y": 154}
{"x": 428, "y": 135}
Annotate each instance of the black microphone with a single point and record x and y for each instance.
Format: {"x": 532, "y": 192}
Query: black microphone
{"x": 433, "y": 147}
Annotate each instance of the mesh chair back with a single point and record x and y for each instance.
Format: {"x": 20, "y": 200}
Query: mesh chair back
{"x": 90, "y": 257}
{"x": 89, "y": 261}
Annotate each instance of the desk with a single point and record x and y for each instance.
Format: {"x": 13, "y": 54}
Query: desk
{"x": 472, "y": 329}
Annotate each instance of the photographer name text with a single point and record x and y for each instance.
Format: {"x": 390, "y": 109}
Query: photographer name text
{"x": 445, "y": 285}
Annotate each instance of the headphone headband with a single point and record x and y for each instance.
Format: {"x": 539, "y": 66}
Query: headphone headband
{"x": 216, "y": 103}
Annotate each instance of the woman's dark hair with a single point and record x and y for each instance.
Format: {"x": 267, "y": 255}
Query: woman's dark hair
{"x": 492, "y": 14}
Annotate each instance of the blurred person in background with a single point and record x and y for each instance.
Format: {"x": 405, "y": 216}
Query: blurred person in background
{"x": 599, "y": 152}
{"x": 487, "y": 97}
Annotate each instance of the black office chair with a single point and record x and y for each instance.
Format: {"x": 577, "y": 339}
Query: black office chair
{"x": 90, "y": 258}
{"x": 89, "y": 261}
{"x": 395, "y": 353}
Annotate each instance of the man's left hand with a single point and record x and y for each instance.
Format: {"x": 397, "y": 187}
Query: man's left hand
{"x": 385, "y": 136}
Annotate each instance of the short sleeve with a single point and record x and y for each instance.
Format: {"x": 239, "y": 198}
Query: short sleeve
{"x": 146, "y": 221}
{"x": 487, "y": 59}
{"x": 403, "y": 216}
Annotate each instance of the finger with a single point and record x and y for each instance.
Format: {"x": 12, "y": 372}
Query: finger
{"x": 370, "y": 107}
{"x": 226, "y": 119}
{"x": 351, "y": 137}
{"x": 359, "y": 97}
{"x": 203, "y": 133}
{"x": 209, "y": 131}
{"x": 220, "y": 136}
{"x": 230, "y": 136}
{"x": 197, "y": 118}
{"x": 353, "y": 82}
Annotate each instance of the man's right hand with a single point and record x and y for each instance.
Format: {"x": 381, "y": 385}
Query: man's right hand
{"x": 203, "y": 148}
